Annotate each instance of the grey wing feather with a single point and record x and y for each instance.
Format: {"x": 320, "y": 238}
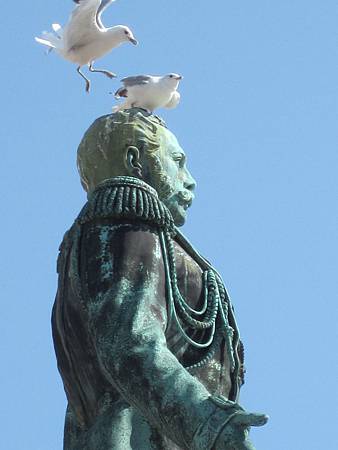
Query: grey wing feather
{"x": 121, "y": 92}
{"x": 134, "y": 81}
{"x": 81, "y": 24}
{"x": 104, "y": 4}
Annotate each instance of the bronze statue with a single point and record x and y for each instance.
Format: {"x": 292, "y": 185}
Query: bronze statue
{"x": 145, "y": 335}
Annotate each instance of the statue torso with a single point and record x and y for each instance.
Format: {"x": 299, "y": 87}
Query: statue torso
{"x": 113, "y": 290}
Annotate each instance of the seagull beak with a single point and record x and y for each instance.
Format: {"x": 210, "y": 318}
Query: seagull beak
{"x": 133, "y": 41}
{"x": 179, "y": 77}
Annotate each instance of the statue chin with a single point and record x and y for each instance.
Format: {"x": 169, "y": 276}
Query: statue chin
{"x": 178, "y": 212}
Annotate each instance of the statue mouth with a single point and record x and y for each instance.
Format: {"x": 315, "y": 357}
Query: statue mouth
{"x": 185, "y": 199}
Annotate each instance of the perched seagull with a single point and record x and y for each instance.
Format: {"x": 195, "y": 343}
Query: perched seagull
{"x": 85, "y": 39}
{"x": 149, "y": 92}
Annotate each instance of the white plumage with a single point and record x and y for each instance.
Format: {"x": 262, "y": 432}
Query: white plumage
{"x": 85, "y": 39}
{"x": 149, "y": 92}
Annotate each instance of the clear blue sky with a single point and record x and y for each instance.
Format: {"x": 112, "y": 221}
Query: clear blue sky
{"x": 258, "y": 120}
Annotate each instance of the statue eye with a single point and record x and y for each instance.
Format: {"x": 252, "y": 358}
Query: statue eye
{"x": 179, "y": 160}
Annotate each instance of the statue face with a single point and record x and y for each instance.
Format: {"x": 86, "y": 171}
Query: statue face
{"x": 169, "y": 175}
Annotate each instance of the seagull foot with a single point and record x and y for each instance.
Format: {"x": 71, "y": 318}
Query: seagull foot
{"x": 105, "y": 72}
{"x": 110, "y": 74}
{"x": 87, "y": 87}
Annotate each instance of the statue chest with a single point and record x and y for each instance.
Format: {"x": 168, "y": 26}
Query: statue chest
{"x": 215, "y": 374}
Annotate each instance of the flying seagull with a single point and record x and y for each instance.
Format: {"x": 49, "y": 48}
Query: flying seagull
{"x": 85, "y": 39}
{"x": 149, "y": 92}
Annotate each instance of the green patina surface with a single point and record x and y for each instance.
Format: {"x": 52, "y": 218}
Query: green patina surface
{"x": 145, "y": 334}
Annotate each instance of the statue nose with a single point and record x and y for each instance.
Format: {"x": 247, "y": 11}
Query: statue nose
{"x": 190, "y": 183}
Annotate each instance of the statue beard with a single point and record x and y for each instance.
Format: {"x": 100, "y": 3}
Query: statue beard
{"x": 164, "y": 186}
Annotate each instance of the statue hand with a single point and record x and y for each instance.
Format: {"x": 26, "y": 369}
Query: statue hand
{"x": 234, "y": 435}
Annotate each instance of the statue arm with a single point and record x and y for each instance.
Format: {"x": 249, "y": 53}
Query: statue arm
{"x": 124, "y": 277}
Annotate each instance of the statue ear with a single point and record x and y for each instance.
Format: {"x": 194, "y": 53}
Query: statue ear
{"x": 132, "y": 162}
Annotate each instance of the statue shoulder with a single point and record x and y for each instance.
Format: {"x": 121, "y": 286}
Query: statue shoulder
{"x": 127, "y": 199}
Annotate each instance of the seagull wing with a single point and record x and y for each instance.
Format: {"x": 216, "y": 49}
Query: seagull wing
{"x": 121, "y": 92}
{"x": 174, "y": 100}
{"x": 137, "y": 80}
{"x": 104, "y": 5}
{"x": 82, "y": 24}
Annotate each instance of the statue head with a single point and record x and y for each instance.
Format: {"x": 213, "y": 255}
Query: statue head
{"x": 138, "y": 144}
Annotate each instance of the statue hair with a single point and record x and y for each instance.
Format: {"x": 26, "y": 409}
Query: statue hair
{"x": 102, "y": 149}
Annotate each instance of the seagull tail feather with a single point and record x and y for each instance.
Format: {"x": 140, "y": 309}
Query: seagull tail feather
{"x": 45, "y": 42}
{"x": 52, "y": 39}
{"x": 56, "y": 27}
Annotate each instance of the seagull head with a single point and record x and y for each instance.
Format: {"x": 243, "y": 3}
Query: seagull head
{"x": 172, "y": 79}
{"x": 127, "y": 35}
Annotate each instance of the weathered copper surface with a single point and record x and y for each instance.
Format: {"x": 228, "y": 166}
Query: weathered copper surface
{"x": 146, "y": 340}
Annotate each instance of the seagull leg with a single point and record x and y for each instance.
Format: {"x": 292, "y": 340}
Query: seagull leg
{"x": 105, "y": 72}
{"x": 85, "y": 78}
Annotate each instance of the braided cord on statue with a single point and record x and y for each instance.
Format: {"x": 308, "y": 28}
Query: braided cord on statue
{"x": 231, "y": 331}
